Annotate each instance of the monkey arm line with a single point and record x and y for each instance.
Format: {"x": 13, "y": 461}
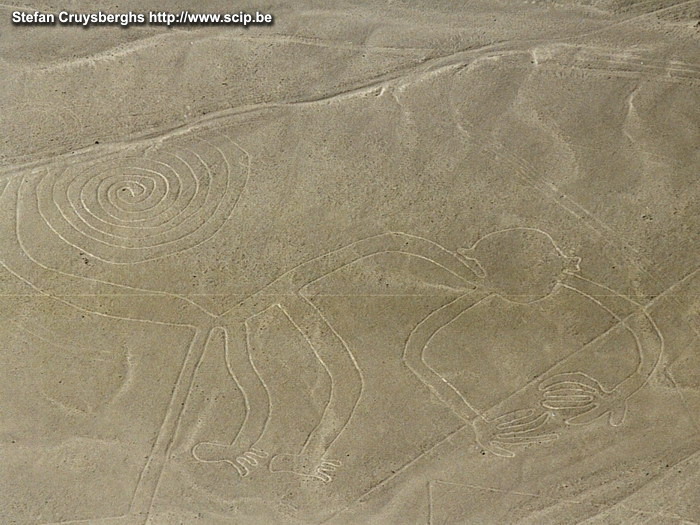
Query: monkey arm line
{"x": 306, "y": 273}
{"x": 419, "y": 339}
{"x": 638, "y": 323}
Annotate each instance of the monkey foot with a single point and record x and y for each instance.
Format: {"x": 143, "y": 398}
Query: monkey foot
{"x": 244, "y": 461}
{"x": 305, "y": 466}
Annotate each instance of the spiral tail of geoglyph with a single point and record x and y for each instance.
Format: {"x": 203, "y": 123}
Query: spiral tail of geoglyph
{"x": 149, "y": 203}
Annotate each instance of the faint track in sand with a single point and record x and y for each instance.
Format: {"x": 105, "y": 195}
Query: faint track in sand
{"x": 375, "y": 86}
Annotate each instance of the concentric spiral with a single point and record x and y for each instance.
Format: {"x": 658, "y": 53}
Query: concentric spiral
{"x": 131, "y": 209}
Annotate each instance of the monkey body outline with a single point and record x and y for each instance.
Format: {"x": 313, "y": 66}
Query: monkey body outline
{"x": 287, "y": 292}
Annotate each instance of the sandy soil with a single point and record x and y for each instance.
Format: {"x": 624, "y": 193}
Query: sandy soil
{"x": 389, "y": 263}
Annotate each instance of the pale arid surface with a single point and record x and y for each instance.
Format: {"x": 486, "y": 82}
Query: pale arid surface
{"x": 377, "y": 263}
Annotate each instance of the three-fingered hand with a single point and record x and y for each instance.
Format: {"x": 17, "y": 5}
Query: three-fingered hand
{"x": 578, "y": 392}
{"x": 520, "y": 427}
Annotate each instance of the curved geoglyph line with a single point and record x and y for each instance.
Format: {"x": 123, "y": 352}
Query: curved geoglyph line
{"x": 131, "y": 209}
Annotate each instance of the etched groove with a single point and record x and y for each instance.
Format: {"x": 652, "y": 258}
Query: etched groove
{"x": 131, "y": 209}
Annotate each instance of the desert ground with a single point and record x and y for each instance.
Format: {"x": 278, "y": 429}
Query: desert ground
{"x": 399, "y": 262}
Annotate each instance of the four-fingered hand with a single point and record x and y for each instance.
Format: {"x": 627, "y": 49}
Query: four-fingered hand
{"x": 520, "y": 427}
{"x": 578, "y": 392}
{"x": 243, "y": 461}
